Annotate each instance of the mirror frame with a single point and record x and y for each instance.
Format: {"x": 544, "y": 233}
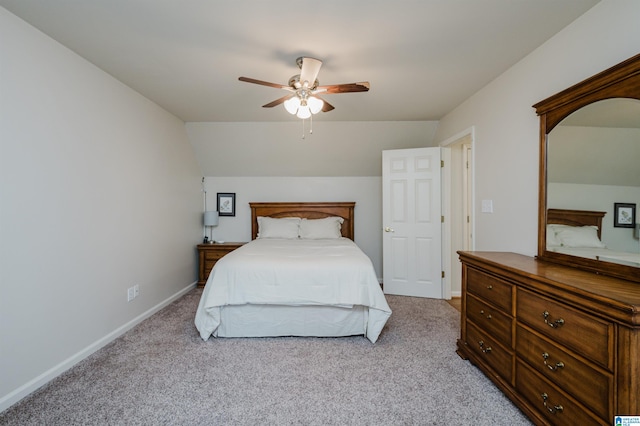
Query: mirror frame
{"x": 619, "y": 81}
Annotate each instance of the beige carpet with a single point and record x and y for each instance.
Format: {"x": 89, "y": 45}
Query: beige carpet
{"x": 162, "y": 373}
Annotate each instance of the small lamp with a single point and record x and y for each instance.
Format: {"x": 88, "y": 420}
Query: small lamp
{"x": 210, "y": 220}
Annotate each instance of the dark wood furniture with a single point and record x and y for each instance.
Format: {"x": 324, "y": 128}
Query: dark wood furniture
{"x": 562, "y": 344}
{"x": 208, "y": 255}
{"x": 558, "y": 334}
{"x": 306, "y": 210}
{"x": 619, "y": 81}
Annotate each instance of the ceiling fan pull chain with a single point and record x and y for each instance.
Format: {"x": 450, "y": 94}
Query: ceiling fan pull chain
{"x": 311, "y": 124}
{"x": 303, "y": 129}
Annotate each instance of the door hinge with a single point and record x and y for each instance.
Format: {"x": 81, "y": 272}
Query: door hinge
{"x": 441, "y": 219}
{"x": 442, "y": 274}
{"x": 441, "y": 163}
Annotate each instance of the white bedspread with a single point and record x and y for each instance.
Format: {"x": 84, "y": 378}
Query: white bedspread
{"x": 333, "y": 272}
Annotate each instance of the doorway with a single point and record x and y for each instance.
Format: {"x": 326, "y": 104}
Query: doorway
{"x": 458, "y": 201}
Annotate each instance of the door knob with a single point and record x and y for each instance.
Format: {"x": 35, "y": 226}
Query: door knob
{"x": 388, "y": 229}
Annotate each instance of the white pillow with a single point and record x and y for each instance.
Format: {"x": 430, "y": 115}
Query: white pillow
{"x": 315, "y": 229}
{"x": 579, "y": 236}
{"x": 285, "y": 227}
{"x": 552, "y": 237}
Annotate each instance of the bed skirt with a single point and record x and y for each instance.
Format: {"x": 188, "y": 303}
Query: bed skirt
{"x": 282, "y": 320}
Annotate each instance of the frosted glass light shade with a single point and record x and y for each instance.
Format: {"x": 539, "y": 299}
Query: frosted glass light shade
{"x": 211, "y": 218}
{"x": 304, "y": 112}
{"x": 292, "y": 104}
{"x": 315, "y": 104}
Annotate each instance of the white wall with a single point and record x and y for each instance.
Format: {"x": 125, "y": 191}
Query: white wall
{"x": 594, "y": 155}
{"x": 365, "y": 191}
{"x": 100, "y": 190}
{"x": 276, "y": 149}
{"x": 341, "y": 161}
{"x": 506, "y": 126}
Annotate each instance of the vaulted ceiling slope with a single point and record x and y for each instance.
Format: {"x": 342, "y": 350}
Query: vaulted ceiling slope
{"x": 422, "y": 57}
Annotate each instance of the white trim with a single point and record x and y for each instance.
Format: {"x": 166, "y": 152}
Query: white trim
{"x": 448, "y": 254}
{"x": 469, "y": 131}
{"x": 445, "y": 228}
{"x": 31, "y": 386}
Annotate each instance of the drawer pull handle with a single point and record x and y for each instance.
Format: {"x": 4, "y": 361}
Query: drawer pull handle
{"x": 553, "y": 409}
{"x": 552, "y": 367}
{"x": 482, "y": 313}
{"x": 490, "y": 287}
{"x": 484, "y": 349}
{"x": 553, "y": 324}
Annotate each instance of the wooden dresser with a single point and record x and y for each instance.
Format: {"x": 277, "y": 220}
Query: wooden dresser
{"x": 562, "y": 344}
{"x": 208, "y": 255}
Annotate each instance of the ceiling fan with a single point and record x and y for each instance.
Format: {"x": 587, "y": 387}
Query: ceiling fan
{"x": 303, "y": 99}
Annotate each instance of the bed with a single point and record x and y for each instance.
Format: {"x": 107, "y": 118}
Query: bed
{"x": 301, "y": 275}
{"x": 579, "y": 233}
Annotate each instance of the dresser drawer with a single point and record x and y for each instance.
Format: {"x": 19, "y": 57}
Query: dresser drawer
{"x": 209, "y": 264}
{"x": 588, "y": 336}
{"x": 496, "y": 323}
{"x": 497, "y": 357}
{"x": 589, "y": 385}
{"x": 556, "y": 406}
{"x": 492, "y": 289}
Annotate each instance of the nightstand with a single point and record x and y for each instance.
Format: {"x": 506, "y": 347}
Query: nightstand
{"x": 208, "y": 255}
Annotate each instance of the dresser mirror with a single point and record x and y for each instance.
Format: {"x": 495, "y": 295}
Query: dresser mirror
{"x": 590, "y": 174}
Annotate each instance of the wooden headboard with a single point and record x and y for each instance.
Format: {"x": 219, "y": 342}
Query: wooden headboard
{"x": 576, "y": 218}
{"x": 304, "y": 210}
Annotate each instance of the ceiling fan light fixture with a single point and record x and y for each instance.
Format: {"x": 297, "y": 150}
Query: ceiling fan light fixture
{"x": 292, "y": 104}
{"x": 315, "y": 104}
{"x": 304, "y": 112}
{"x": 303, "y": 88}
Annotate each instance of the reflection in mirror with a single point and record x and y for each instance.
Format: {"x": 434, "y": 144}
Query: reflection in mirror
{"x": 593, "y": 162}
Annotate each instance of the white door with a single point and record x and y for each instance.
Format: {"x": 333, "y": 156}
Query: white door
{"x": 411, "y": 217}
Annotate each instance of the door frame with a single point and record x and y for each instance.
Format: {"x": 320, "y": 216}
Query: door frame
{"x": 449, "y": 191}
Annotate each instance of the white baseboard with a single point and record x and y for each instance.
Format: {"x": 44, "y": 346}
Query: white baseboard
{"x": 456, "y": 294}
{"x": 29, "y": 387}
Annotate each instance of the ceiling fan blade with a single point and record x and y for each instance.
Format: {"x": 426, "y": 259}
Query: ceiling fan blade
{"x": 309, "y": 70}
{"x": 278, "y": 101}
{"x": 326, "y": 107}
{"x": 344, "y": 88}
{"x": 264, "y": 83}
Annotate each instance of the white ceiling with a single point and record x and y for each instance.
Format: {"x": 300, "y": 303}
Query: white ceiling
{"x": 422, "y": 57}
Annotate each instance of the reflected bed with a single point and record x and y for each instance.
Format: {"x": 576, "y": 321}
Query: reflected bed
{"x": 579, "y": 233}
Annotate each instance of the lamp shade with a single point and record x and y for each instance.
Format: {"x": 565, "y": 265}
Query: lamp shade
{"x": 211, "y": 218}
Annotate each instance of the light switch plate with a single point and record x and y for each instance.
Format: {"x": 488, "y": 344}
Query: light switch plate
{"x": 487, "y": 206}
